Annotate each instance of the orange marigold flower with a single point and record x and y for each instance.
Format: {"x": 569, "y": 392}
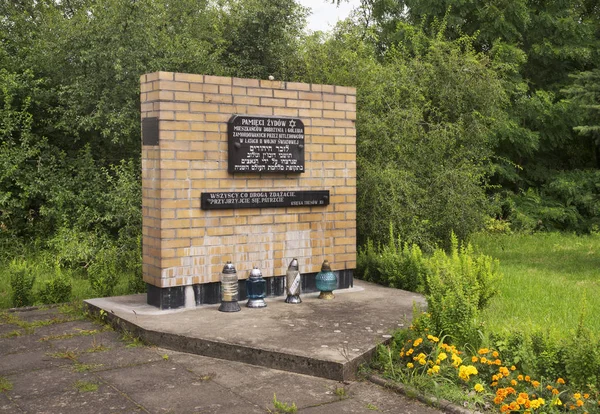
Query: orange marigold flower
{"x": 474, "y": 359}
{"x": 495, "y": 354}
{"x": 535, "y": 384}
{"x": 549, "y": 387}
{"x": 527, "y": 378}
{"x": 498, "y": 362}
{"x": 560, "y": 381}
{"x": 510, "y": 390}
{"x": 524, "y": 395}
{"x": 520, "y": 377}
{"x": 494, "y": 384}
{"x": 586, "y": 396}
{"x": 483, "y": 360}
{"x": 513, "y": 368}
{"x": 504, "y": 371}
{"x": 513, "y": 382}
{"x": 520, "y": 401}
{"x": 555, "y": 391}
{"x": 505, "y": 408}
{"x": 579, "y": 403}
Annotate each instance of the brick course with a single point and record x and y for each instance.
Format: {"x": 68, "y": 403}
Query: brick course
{"x": 184, "y": 244}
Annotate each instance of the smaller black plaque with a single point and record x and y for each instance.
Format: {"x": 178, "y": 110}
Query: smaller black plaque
{"x": 150, "y": 131}
{"x": 262, "y": 199}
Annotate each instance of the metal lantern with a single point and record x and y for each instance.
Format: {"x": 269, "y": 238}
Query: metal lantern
{"x": 326, "y": 281}
{"x": 229, "y": 289}
{"x": 256, "y": 288}
{"x": 292, "y": 283}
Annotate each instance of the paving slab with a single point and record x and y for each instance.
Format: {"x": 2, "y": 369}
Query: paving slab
{"x": 175, "y": 389}
{"x": 120, "y": 357}
{"x": 23, "y": 343}
{"x": 153, "y": 380}
{"x": 324, "y": 338}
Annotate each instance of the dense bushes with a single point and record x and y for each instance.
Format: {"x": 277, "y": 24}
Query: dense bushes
{"x": 458, "y": 285}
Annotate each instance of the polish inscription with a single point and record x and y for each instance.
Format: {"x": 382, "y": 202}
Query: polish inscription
{"x": 260, "y": 199}
{"x": 260, "y": 144}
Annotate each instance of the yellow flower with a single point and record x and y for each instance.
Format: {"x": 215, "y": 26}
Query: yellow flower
{"x": 422, "y": 361}
{"x": 520, "y": 377}
{"x": 557, "y": 402}
{"x": 417, "y": 342}
{"x": 577, "y": 396}
{"x": 442, "y": 356}
{"x": 478, "y": 387}
{"x": 409, "y": 352}
{"x": 433, "y": 338}
{"x": 456, "y": 360}
{"x": 465, "y": 372}
{"x": 410, "y": 365}
{"x": 513, "y": 382}
{"x": 512, "y": 368}
{"x": 483, "y": 351}
{"x": 495, "y": 354}
{"x": 483, "y": 360}
{"x": 435, "y": 369}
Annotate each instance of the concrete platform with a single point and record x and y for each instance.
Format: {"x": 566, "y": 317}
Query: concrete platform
{"x": 328, "y": 339}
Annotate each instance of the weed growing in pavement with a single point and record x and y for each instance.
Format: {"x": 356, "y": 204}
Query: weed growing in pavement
{"x": 85, "y": 386}
{"x": 281, "y": 407}
{"x": 5, "y": 385}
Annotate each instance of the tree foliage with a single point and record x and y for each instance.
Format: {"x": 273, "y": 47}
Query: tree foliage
{"x": 463, "y": 108}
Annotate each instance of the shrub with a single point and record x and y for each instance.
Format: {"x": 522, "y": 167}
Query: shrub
{"x": 458, "y": 287}
{"x": 394, "y": 264}
{"x": 103, "y": 272}
{"x": 21, "y": 282}
{"x": 58, "y": 289}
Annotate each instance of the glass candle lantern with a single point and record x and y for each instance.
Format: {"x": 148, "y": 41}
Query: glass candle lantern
{"x": 326, "y": 281}
{"x": 256, "y": 289}
{"x": 229, "y": 289}
{"x": 293, "y": 283}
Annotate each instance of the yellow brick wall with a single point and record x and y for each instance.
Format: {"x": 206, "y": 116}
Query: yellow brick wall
{"x": 184, "y": 244}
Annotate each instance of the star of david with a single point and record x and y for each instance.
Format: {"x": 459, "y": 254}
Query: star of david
{"x": 292, "y": 124}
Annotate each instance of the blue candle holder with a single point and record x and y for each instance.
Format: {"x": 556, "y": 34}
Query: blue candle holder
{"x": 256, "y": 289}
{"x": 326, "y": 281}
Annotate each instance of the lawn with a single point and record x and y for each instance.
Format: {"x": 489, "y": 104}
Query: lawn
{"x": 549, "y": 280}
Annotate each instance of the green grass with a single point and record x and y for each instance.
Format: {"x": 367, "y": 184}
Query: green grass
{"x": 549, "y": 280}
{"x": 81, "y": 288}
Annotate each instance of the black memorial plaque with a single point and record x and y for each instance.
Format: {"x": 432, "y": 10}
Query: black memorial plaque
{"x": 260, "y": 199}
{"x": 150, "y": 131}
{"x": 265, "y": 144}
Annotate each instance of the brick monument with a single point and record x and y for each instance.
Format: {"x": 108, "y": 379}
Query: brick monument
{"x": 255, "y": 172}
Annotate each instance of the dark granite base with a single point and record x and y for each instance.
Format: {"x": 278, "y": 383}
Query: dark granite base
{"x": 210, "y": 293}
